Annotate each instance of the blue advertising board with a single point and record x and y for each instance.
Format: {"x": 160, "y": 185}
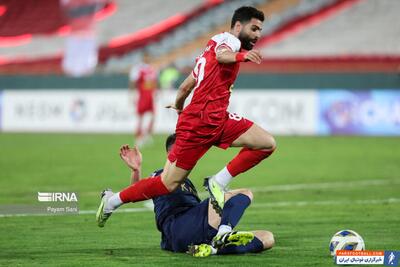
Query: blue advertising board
{"x": 369, "y": 112}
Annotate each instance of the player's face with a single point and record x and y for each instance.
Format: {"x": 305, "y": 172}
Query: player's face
{"x": 250, "y": 33}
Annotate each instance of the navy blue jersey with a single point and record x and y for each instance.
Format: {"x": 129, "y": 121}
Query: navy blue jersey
{"x": 176, "y": 202}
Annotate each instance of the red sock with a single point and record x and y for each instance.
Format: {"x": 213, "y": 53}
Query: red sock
{"x": 144, "y": 189}
{"x": 247, "y": 159}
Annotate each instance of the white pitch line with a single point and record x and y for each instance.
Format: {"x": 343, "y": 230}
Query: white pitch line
{"x": 272, "y": 188}
{"x": 127, "y": 210}
{"x": 294, "y": 187}
{"x": 327, "y": 202}
{"x": 309, "y": 186}
{"x": 313, "y": 186}
{"x": 255, "y": 205}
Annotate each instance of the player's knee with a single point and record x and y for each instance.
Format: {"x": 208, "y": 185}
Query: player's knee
{"x": 269, "y": 143}
{"x": 173, "y": 177}
{"x": 270, "y": 241}
{"x": 247, "y": 193}
{"x": 170, "y": 184}
{"x": 267, "y": 238}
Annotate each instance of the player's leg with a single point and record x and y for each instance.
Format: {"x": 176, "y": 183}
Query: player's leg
{"x": 144, "y": 189}
{"x": 262, "y": 240}
{"x": 236, "y": 202}
{"x": 187, "y": 228}
{"x": 146, "y": 131}
{"x": 257, "y": 145}
{"x": 150, "y": 127}
{"x": 139, "y": 131}
{"x": 181, "y": 161}
{"x": 266, "y": 237}
{"x": 139, "y": 125}
{"x": 255, "y": 138}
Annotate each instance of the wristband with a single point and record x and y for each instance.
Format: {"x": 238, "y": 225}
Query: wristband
{"x": 240, "y": 57}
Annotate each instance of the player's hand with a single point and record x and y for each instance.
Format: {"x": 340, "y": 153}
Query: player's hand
{"x": 172, "y": 106}
{"x": 131, "y": 156}
{"x": 253, "y": 56}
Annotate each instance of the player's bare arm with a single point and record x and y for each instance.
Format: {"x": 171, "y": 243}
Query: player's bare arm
{"x": 248, "y": 32}
{"x": 226, "y": 56}
{"x": 183, "y": 92}
{"x": 133, "y": 159}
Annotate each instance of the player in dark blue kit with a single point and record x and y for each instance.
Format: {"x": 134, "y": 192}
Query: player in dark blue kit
{"x": 188, "y": 224}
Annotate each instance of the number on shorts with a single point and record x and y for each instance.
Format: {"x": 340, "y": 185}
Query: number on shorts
{"x": 234, "y": 116}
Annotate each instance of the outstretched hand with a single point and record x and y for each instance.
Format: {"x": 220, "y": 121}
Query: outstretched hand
{"x": 172, "y": 106}
{"x": 253, "y": 56}
{"x": 131, "y": 156}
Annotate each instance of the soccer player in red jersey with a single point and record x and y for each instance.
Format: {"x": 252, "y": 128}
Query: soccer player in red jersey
{"x": 143, "y": 77}
{"x": 205, "y": 122}
{"x": 188, "y": 224}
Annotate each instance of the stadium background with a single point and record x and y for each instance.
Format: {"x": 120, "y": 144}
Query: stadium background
{"x": 328, "y": 88}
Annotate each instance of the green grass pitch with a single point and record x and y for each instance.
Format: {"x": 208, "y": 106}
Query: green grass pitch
{"x": 310, "y": 188}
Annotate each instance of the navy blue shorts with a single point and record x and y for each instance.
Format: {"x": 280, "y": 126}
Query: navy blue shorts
{"x": 188, "y": 227}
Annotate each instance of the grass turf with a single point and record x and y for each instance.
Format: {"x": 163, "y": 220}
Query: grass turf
{"x": 309, "y": 189}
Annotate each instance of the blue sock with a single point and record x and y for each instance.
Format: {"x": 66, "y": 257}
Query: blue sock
{"x": 254, "y": 246}
{"x": 234, "y": 209}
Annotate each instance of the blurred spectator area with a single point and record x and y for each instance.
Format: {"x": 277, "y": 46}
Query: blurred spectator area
{"x": 32, "y": 35}
{"x": 298, "y": 35}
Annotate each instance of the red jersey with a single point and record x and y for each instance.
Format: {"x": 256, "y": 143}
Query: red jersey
{"x": 145, "y": 78}
{"x": 214, "y": 81}
{"x": 205, "y": 122}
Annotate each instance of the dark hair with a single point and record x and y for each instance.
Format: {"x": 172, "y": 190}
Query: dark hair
{"x": 245, "y": 14}
{"x": 170, "y": 141}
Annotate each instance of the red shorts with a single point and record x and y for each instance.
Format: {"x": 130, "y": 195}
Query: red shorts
{"x": 189, "y": 147}
{"x": 145, "y": 104}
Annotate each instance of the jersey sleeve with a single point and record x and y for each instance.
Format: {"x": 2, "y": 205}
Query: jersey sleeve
{"x": 227, "y": 40}
{"x": 134, "y": 73}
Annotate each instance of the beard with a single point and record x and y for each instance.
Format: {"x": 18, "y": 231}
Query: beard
{"x": 246, "y": 41}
